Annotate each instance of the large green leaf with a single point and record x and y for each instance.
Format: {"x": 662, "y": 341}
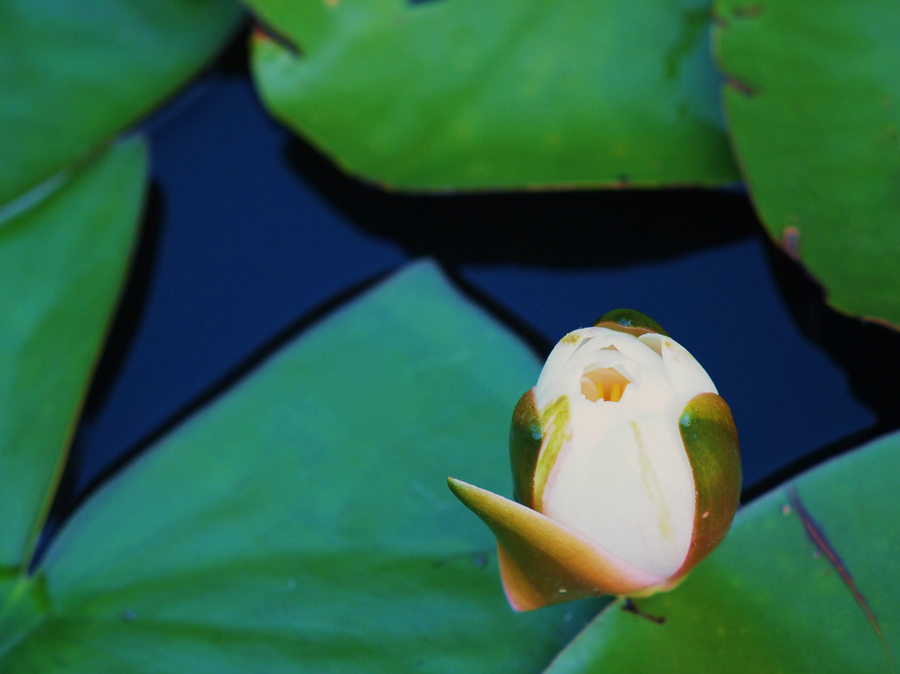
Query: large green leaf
{"x": 471, "y": 94}
{"x": 302, "y": 521}
{"x": 814, "y": 111}
{"x": 807, "y": 581}
{"x": 63, "y": 258}
{"x": 72, "y": 74}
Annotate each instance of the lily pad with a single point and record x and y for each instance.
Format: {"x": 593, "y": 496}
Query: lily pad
{"x": 462, "y": 94}
{"x": 807, "y": 581}
{"x": 813, "y": 105}
{"x": 63, "y": 258}
{"x": 301, "y": 522}
{"x": 73, "y": 74}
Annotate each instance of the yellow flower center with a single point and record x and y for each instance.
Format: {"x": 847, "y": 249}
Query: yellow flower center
{"x": 603, "y": 383}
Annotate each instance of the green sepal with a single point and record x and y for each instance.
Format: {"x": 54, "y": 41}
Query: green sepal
{"x": 711, "y": 442}
{"x": 543, "y": 562}
{"x": 629, "y": 321}
{"x": 525, "y": 437}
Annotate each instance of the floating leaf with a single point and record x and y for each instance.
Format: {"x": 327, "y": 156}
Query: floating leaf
{"x": 814, "y": 110}
{"x": 75, "y": 73}
{"x": 63, "y": 258}
{"x": 807, "y": 581}
{"x": 302, "y": 521}
{"x": 472, "y": 95}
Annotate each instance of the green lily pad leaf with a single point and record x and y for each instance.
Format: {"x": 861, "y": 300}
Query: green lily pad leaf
{"x": 805, "y": 582}
{"x": 462, "y": 94}
{"x": 301, "y": 522}
{"x": 73, "y": 74}
{"x": 814, "y": 111}
{"x": 63, "y": 259}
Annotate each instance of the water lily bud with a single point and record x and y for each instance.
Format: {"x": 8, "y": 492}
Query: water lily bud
{"x": 626, "y": 469}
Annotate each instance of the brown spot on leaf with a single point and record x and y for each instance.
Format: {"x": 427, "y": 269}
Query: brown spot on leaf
{"x": 790, "y": 242}
{"x": 741, "y": 87}
{"x": 747, "y": 12}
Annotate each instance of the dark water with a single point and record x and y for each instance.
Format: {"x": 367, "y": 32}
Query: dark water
{"x": 250, "y": 236}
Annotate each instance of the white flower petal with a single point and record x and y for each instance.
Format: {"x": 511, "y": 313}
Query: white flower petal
{"x": 653, "y": 340}
{"x": 546, "y": 389}
{"x": 623, "y": 479}
{"x": 687, "y": 375}
{"x": 631, "y": 490}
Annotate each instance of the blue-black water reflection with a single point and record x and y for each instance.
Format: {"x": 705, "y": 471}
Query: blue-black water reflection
{"x": 251, "y": 235}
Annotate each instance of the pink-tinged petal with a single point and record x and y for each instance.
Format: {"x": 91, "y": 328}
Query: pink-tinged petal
{"x": 711, "y": 441}
{"x": 525, "y": 436}
{"x": 543, "y": 562}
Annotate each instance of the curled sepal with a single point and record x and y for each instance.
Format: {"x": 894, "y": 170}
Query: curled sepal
{"x": 525, "y": 436}
{"x": 543, "y": 562}
{"x": 711, "y": 442}
{"x": 629, "y": 321}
